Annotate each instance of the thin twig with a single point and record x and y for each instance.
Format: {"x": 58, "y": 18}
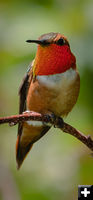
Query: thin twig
{"x": 53, "y": 120}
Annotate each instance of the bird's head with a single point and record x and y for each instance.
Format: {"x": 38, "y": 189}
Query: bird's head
{"x": 53, "y": 54}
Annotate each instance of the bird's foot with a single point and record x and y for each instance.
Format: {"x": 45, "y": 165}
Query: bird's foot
{"x": 55, "y": 120}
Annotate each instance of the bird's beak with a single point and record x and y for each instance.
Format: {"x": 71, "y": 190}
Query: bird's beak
{"x": 34, "y": 41}
{"x": 41, "y": 42}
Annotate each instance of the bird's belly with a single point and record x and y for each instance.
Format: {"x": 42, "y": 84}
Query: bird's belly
{"x": 66, "y": 98}
{"x": 54, "y": 93}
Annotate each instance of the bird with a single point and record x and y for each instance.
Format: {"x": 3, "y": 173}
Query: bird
{"x": 50, "y": 86}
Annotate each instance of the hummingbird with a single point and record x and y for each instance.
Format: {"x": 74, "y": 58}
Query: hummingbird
{"x": 50, "y": 86}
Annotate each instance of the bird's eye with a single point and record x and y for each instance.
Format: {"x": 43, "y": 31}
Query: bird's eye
{"x": 61, "y": 41}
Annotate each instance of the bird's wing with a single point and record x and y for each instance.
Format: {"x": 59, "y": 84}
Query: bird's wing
{"x": 23, "y": 94}
{"x": 21, "y": 151}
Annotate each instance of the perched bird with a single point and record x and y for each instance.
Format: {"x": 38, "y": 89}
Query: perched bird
{"x": 51, "y": 86}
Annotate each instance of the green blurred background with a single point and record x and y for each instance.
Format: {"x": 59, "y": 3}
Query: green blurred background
{"x": 58, "y": 163}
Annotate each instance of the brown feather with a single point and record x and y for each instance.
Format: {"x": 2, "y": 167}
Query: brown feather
{"x": 22, "y": 107}
{"x": 25, "y": 140}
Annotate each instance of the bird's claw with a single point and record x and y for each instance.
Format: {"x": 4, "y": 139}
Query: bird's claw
{"x": 55, "y": 120}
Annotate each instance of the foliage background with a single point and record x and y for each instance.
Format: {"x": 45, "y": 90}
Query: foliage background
{"x": 58, "y": 163}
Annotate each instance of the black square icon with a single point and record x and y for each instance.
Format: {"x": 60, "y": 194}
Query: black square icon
{"x": 85, "y": 192}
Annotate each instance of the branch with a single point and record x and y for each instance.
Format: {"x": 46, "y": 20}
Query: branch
{"x": 52, "y": 120}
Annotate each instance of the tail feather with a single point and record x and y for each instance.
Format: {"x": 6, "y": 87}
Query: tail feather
{"x": 21, "y": 152}
{"x": 25, "y": 143}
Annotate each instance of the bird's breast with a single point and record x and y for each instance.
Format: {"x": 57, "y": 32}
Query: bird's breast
{"x": 54, "y": 93}
{"x": 57, "y": 81}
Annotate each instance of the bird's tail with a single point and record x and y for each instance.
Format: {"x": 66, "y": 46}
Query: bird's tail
{"x": 21, "y": 152}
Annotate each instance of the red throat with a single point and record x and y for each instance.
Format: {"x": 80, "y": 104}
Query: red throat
{"x": 53, "y": 59}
